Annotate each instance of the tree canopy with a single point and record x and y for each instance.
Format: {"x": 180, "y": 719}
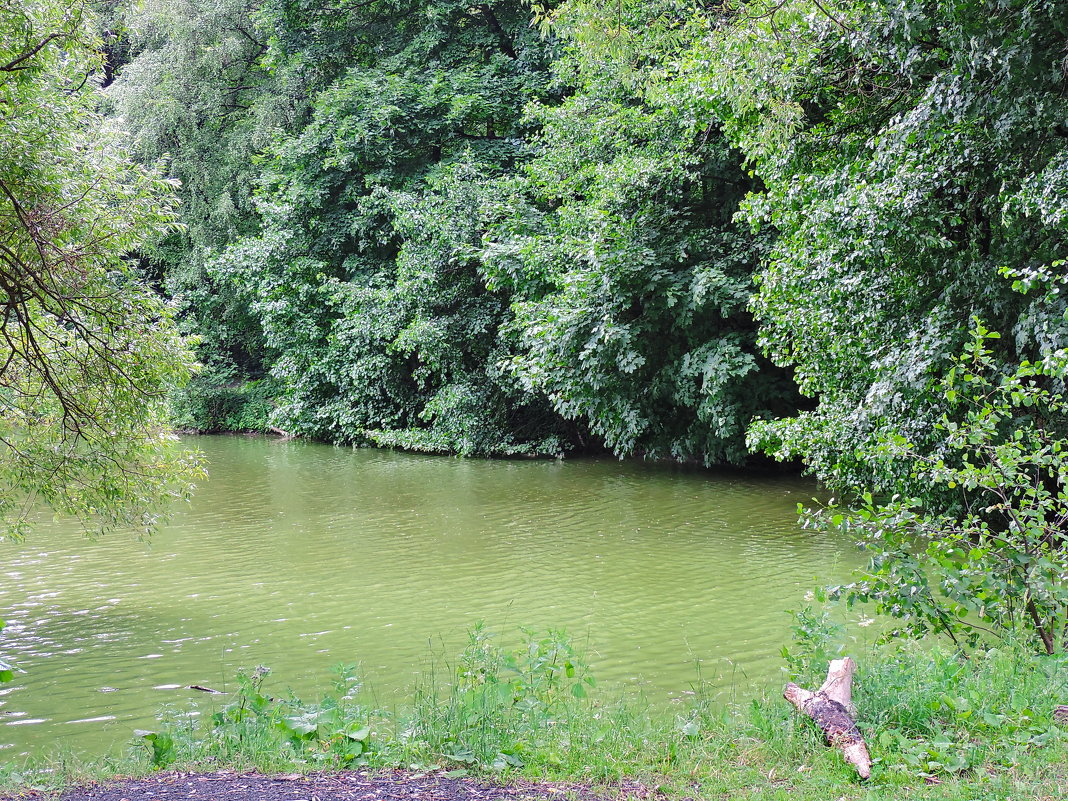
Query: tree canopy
{"x": 911, "y": 154}
{"x": 665, "y": 229}
{"x": 711, "y": 233}
{"x": 88, "y": 352}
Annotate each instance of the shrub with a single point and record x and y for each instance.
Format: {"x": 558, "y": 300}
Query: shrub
{"x": 998, "y": 562}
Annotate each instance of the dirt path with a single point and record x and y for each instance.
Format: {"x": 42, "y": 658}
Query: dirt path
{"x": 352, "y": 786}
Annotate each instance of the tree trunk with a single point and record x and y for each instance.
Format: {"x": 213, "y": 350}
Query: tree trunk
{"x": 831, "y": 707}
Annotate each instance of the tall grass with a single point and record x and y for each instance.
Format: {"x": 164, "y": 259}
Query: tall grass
{"x": 940, "y": 725}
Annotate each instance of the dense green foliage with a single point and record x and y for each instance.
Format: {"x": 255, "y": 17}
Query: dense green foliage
{"x": 1001, "y": 562}
{"x": 670, "y": 229}
{"x": 196, "y": 94}
{"x": 499, "y": 254}
{"x": 666, "y": 228}
{"x": 360, "y": 278}
{"x": 542, "y": 237}
{"x": 914, "y": 159}
{"x": 88, "y": 352}
{"x": 909, "y": 151}
{"x": 630, "y": 280}
{"x": 663, "y": 229}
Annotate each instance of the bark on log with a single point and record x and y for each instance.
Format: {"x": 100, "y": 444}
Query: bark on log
{"x": 831, "y": 707}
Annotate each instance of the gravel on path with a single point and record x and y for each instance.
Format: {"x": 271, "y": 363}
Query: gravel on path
{"x": 349, "y": 786}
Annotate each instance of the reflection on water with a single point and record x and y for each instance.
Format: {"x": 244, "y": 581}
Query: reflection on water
{"x": 301, "y": 556}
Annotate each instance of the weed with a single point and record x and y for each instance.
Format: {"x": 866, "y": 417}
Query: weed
{"x": 940, "y": 725}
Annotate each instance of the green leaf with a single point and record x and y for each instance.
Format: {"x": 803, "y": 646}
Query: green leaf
{"x": 690, "y": 728}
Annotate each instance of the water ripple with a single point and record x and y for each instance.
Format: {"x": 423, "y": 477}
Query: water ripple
{"x": 301, "y": 556}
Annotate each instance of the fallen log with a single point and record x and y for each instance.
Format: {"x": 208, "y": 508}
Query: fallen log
{"x": 831, "y": 707}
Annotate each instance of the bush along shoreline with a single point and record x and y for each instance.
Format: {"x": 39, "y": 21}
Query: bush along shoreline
{"x": 975, "y": 724}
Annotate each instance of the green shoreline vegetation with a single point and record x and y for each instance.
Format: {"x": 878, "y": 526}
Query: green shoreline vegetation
{"x": 941, "y": 726}
{"x": 827, "y": 233}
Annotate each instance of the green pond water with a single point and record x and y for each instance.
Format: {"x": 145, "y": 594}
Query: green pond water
{"x": 301, "y": 556}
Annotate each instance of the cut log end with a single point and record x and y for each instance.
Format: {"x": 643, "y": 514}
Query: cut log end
{"x": 831, "y": 708}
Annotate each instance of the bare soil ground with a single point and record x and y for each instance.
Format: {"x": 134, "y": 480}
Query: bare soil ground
{"x": 349, "y": 786}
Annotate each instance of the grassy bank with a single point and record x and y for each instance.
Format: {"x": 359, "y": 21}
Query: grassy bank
{"x": 940, "y": 725}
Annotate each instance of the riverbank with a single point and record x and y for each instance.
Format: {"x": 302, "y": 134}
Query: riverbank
{"x": 300, "y": 556}
{"x": 939, "y": 725}
{"x": 231, "y": 785}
